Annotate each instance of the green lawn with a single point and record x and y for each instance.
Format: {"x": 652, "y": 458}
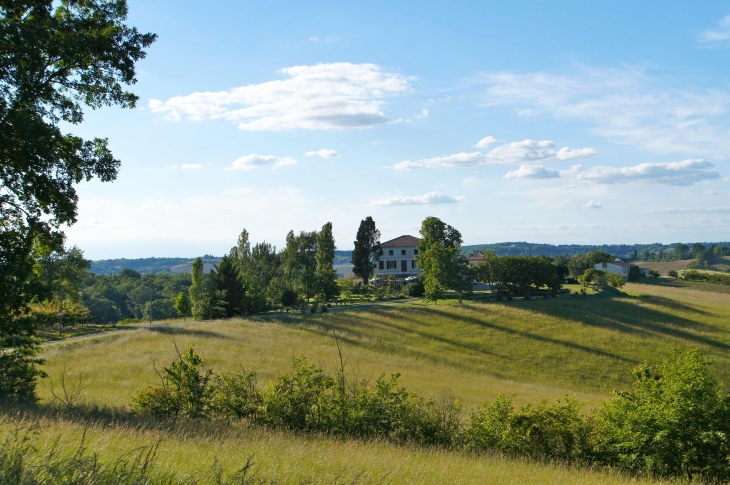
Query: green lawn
{"x": 540, "y": 348}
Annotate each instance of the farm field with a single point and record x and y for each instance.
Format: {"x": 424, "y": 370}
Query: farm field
{"x": 583, "y": 346}
{"x": 663, "y": 267}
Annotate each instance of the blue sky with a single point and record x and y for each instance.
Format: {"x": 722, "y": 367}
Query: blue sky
{"x": 553, "y": 122}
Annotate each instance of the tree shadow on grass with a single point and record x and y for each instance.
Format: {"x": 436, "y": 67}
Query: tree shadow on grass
{"x": 614, "y": 310}
{"x": 184, "y": 331}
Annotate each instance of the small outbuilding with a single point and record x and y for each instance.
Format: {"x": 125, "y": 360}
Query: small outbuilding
{"x": 619, "y": 266}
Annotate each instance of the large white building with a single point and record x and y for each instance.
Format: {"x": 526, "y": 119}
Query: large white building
{"x": 398, "y": 259}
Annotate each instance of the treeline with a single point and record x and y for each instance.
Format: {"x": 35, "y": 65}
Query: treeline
{"x": 250, "y": 279}
{"x": 693, "y": 275}
{"x": 675, "y": 422}
{"x": 144, "y": 265}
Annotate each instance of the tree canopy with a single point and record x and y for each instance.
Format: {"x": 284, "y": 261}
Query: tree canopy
{"x": 367, "y": 250}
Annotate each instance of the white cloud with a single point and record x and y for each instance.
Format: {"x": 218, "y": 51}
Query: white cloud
{"x": 314, "y": 39}
{"x": 593, "y": 204}
{"x": 250, "y": 162}
{"x": 527, "y": 151}
{"x": 533, "y": 172}
{"x": 686, "y": 172}
{"x": 319, "y": 97}
{"x": 526, "y": 112}
{"x": 424, "y": 114}
{"x": 324, "y": 153}
{"x": 711, "y": 210}
{"x": 717, "y": 35}
{"x": 192, "y": 166}
{"x": 486, "y": 141}
{"x": 431, "y": 198}
{"x": 624, "y": 105}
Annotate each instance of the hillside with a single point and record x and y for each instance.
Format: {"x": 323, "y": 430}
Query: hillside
{"x": 582, "y": 346}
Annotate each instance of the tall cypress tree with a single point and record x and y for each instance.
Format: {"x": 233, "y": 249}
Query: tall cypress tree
{"x": 326, "y": 276}
{"x": 197, "y": 290}
{"x": 367, "y": 250}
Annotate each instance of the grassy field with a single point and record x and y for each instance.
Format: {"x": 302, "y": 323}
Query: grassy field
{"x": 578, "y": 345}
{"x": 663, "y": 267}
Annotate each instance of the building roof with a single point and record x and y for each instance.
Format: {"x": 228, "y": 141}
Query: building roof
{"x": 476, "y": 257}
{"x": 401, "y": 242}
{"x": 623, "y": 264}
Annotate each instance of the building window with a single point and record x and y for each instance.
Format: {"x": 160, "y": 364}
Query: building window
{"x": 391, "y": 264}
{"x": 415, "y": 251}
{"x": 413, "y": 263}
{"x": 403, "y": 265}
{"x": 403, "y": 252}
{"x": 380, "y": 265}
{"x": 390, "y": 252}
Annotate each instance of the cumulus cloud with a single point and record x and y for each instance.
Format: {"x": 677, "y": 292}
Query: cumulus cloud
{"x": 624, "y": 105}
{"x": 319, "y": 97}
{"x": 593, "y": 204}
{"x": 250, "y": 162}
{"x": 533, "y": 172}
{"x": 526, "y": 151}
{"x": 431, "y": 198}
{"x": 324, "y": 153}
{"x": 192, "y": 166}
{"x": 717, "y": 35}
{"x": 686, "y": 172}
{"x": 485, "y": 142}
{"x": 424, "y": 114}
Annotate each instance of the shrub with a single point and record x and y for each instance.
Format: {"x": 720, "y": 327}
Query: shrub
{"x": 675, "y": 422}
{"x": 557, "y": 431}
{"x": 672, "y": 274}
{"x": 186, "y": 389}
{"x": 19, "y": 372}
{"x": 415, "y": 289}
{"x": 288, "y": 297}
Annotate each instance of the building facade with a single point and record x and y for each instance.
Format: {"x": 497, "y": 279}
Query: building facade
{"x": 619, "y": 266}
{"x": 398, "y": 260}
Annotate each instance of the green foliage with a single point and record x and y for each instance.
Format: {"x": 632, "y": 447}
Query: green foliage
{"x": 598, "y": 278}
{"x": 582, "y": 262}
{"x": 672, "y": 274}
{"x": 675, "y": 422}
{"x": 186, "y": 389}
{"x": 182, "y": 304}
{"x": 346, "y": 286}
{"x": 326, "y": 277}
{"x": 197, "y": 291}
{"x": 415, "y": 289}
{"x": 443, "y": 264}
{"x": 556, "y": 432}
{"x": 367, "y": 250}
{"x": 228, "y": 280}
{"x": 57, "y": 57}
{"x": 717, "y": 278}
{"x": 19, "y": 372}
{"x": 654, "y": 274}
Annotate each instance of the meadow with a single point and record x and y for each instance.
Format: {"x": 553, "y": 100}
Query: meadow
{"x": 583, "y": 346}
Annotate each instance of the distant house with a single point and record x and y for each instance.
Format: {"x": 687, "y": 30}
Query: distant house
{"x": 474, "y": 259}
{"x": 619, "y": 266}
{"x": 398, "y": 259}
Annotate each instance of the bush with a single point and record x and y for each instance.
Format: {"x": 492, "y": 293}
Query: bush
{"x": 544, "y": 431}
{"x": 675, "y": 422}
{"x": 415, "y": 289}
{"x": 19, "y": 372}
{"x": 289, "y": 297}
{"x": 672, "y": 274}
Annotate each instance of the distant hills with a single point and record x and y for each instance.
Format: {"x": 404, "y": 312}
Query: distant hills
{"x": 342, "y": 258}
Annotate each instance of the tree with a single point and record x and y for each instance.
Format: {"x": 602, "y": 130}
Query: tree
{"x": 346, "y": 286}
{"x": 672, "y": 274}
{"x": 57, "y": 57}
{"x": 182, "y": 304}
{"x": 367, "y": 250}
{"x": 654, "y": 274}
{"x": 197, "y": 290}
{"x": 299, "y": 262}
{"x": 681, "y": 251}
{"x": 228, "y": 280}
{"x": 440, "y": 258}
{"x": 327, "y": 287}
